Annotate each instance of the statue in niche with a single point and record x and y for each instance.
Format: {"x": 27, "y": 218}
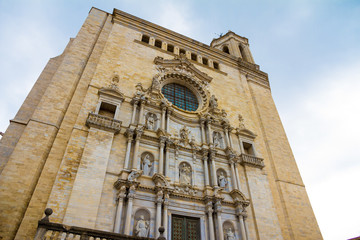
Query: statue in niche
{"x": 229, "y": 235}
{"x": 222, "y": 180}
{"x": 146, "y": 165}
{"x": 184, "y": 134}
{"x": 185, "y": 174}
{"x": 217, "y": 139}
{"x": 142, "y": 227}
{"x": 150, "y": 121}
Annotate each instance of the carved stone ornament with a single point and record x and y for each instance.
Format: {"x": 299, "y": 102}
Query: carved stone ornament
{"x": 185, "y": 189}
{"x": 160, "y": 180}
{"x": 134, "y": 175}
{"x": 112, "y": 89}
{"x": 239, "y": 197}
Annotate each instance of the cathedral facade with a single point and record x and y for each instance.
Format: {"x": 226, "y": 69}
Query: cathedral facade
{"x": 135, "y": 126}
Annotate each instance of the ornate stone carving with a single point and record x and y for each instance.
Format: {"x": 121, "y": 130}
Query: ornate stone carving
{"x": 134, "y": 175}
{"x": 160, "y": 180}
{"x": 229, "y": 234}
{"x": 185, "y": 189}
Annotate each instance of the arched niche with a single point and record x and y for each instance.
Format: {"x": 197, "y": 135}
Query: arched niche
{"x": 229, "y": 230}
{"x": 141, "y": 223}
{"x": 185, "y": 173}
{"x": 147, "y": 163}
{"x": 218, "y": 140}
{"x": 151, "y": 121}
{"x": 222, "y": 179}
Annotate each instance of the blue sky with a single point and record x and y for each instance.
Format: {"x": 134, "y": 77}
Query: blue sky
{"x": 310, "y": 49}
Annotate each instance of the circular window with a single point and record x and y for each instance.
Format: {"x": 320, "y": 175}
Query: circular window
{"x": 180, "y": 96}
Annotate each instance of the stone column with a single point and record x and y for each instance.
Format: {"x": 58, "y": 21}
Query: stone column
{"x": 131, "y": 196}
{"x": 165, "y": 214}
{"x": 230, "y": 139}
{"x": 242, "y": 227}
{"x": 119, "y": 208}
{"x": 219, "y": 220}
{"x": 203, "y": 138}
{"x": 226, "y": 130}
{"x": 167, "y": 160}
{"x": 168, "y": 119}
{"x": 245, "y": 224}
{"x": 159, "y": 201}
{"x": 161, "y": 155}
{"x": 139, "y": 132}
{"x": 237, "y": 176}
{"x": 206, "y": 169}
{"x": 213, "y": 168}
{"x": 141, "y": 112}
{"x": 233, "y": 175}
{"x": 135, "y": 103}
{"x": 163, "y": 112}
{"x": 210, "y": 211}
{"x": 117, "y": 111}
{"x": 210, "y": 140}
{"x": 130, "y": 136}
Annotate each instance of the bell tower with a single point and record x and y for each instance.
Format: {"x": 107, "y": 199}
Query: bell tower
{"x": 234, "y": 45}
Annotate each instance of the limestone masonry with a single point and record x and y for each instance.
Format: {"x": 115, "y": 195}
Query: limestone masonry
{"x": 134, "y": 127}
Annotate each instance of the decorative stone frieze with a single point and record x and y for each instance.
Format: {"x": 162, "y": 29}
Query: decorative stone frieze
{"x": 103, "y": 122}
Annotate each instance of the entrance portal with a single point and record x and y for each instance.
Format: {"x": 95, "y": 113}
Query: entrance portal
{"x": 185, "y": 228}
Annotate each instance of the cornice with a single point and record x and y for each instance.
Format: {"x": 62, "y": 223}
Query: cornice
{"x": 131, "y": 21}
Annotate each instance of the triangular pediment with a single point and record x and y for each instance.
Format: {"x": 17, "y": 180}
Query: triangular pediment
{"x": 112, "y": 91}
{"x": 245, "y": 133}
{"x": 183, "y": 64}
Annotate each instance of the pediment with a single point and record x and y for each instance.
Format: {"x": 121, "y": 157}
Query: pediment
{"x": 238, "y": 196}
{"x": 183, "y": 65}
{"x": 112, "y": 91}
{"x": 245, "y": 133}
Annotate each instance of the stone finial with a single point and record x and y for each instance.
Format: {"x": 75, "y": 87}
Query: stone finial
{"x": 48, "y": 212}
{"x": 161, "y": 230}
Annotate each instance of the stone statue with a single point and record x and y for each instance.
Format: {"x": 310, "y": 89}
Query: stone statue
{"x": 229, "y": 235}
{"x": 150, "y": 122}
{"x": 184, "y": 134}
{"x": 213, "y": 102}
{"x": 146, "y": 165}
{"x": 156, "y": 84}
{"x": 222, "y": 180}
{"x": 185, "y": 174}
{"x": 142, "y": 227}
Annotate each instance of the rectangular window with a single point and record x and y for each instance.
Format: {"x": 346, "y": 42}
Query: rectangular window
{"x": 170, "y": 48}
{"x": 248, "y": 148}
{"x": 158, "y": 43}
{"x": 205, "y": 61}
{"x": 216, "y": 65}
{"x": 182, "y": 51}
{"x": 193, "y": 57}
{"x": 107, "y": 110}
{"x": 145, "y": 39}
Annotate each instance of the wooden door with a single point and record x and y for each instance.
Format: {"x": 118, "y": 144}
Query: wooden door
{"x": 185, "y": 228}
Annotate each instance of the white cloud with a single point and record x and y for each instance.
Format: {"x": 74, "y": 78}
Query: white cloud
{"x": 323, "y": 128}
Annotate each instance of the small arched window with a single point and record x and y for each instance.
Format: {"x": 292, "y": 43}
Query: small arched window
{"x": 226, "y": 49}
